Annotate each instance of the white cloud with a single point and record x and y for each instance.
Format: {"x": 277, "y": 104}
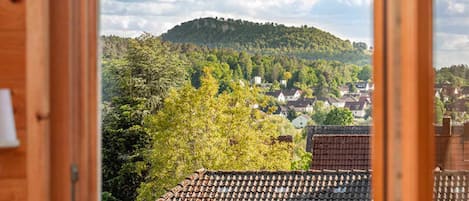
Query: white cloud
{"x": 157, "y": 16}
{"x": 356, "y": 2}
{"x": 456, "y": 7}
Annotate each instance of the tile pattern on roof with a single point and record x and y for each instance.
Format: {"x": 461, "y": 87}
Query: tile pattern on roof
{"x": 312, "y": 185}
{"x": 273, "y": 185}
{"x": 451, "y": 185}
{"x": 341, "y": 152}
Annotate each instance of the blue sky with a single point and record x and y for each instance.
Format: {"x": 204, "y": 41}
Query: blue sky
{"x": 348, "y": 19}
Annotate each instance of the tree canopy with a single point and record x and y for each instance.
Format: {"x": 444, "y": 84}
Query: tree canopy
{"x": 201, "y": 128}
{"x": 339, "y": 116}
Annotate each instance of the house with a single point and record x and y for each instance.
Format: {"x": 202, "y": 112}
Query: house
{"x": 344, "y": 89}
{"x": 347, "y": 147}
{"x": 304, "y": 105}
{"x": 283, "y": 83}
{"x": 338, "y": 147}
{"x": 301, "y": 121}
{"x": 328, "y": 150}
{"x": 292, "y": 94}
{"x": 277, "y": 94}
{"x": 459, "y": 105}
{"x": 357, "y": 108}
{"x": 257, "y": 80}
{"x": 273, "y": 185}
{"x": 313, "y": 185}
{"x": 365, "y": 86}
{"x": 282, "y": 111}
{"x": 336, "y": 102}
{"x": 366, "y": 99}
{"x": 464, "y": 92}
{"x": 449, "y": 92}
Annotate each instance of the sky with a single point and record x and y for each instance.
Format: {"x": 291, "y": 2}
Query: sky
{"x": 347, "y": 19}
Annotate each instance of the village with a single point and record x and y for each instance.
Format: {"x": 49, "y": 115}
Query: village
{"x": 293, "y": 104}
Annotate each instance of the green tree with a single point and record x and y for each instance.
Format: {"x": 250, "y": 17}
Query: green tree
{"x": 365, "y": 73}
{"x": 133, "y": 88}
{"x": 339, "y": 116}
{"x": 320, "y": 112}
{"x": 291, "y": 114}
{"x": 439, "y": 110}
{"x": 201, "y": 128}
{"x": 246, "y": 64}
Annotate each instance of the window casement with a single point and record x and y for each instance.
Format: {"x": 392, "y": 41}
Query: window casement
{"x": 402, "y": 146}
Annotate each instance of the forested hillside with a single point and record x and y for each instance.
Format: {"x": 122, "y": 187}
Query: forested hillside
{"x": 268, "y": 38}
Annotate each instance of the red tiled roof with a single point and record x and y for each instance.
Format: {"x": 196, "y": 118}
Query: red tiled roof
{"x": 341, "y": 152}
{"x": 356, "y": 105}
{"x": 348, "y": 147}
{"x": 314, "y": 185}
{"x": 273, "y": 185}
{"x": 451, "y": 185}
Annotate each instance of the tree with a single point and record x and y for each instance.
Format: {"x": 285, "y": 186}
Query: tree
{"x": 365, "y": 73}
{"x": 352, "y": 88}
{"x": 439, "y": 110}
{"x": 339, "y": 116}
{"x": 320, "y": 112}
{"x": 201, "y": 128}
{"x": 287, "y": 76}
{"x": 246, "y": 64}
{"x": 291, "y": 114}
{"x": 132, "y": 89}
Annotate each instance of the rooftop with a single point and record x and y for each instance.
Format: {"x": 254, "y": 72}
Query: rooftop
{"x": 314, "y": 185}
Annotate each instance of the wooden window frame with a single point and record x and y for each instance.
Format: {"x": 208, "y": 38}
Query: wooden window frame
{"x": 62, "y": 101}
{"x": 402, "y": 140}
{"x": 66, "y": 32}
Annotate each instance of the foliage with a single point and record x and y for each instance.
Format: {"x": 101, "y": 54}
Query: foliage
{"x": 456, "y": 75}
{"x": 106, "y": 196}
{"x": 291, "y": 114}
{"x": 339, "y": 116}
{"x": 365, "y": 73}
{"x": 303, "y": 162}
{"x": 133, "y": 88}
{"x": 320, "y": 112}
{"x": 202, "y": 128}
{"x": 439, "y": 110}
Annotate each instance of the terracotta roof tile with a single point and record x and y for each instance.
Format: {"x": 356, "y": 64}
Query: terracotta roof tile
{"x": 274, "y": 185}
{"x": 347, "y": 147}
{"x": 341, "y": 152}
{"x": 314, "y": 185}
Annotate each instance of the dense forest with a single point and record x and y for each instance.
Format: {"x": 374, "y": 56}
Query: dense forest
{"x": 456, "y": 75}
{"x": 170, "y": 108}
{"x": 269, "y": 38}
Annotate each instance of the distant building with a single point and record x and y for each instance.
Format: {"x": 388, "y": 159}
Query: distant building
{"x": 278, "y": 95}
{"x": 347, "y": 147}
{"x": 365, "y": 86}
{"x": 292, "y": 94}
{"x": 344, "y": 89}
{"x": 283, "y": 83}
{"x": 257, "y": 80}
{"x": 336, "y": 102}
{"x": 301, "y": 121}
{"x": 357, "y": 108}
{"x": 302, "y": 105}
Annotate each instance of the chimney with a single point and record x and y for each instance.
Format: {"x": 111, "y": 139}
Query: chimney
{"x": 465, "y": 141}
{"x": 446, "y": 129}
{"x": 466, "y": 131}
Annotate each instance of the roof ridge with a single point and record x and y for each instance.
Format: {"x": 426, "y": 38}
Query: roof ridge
{"x": 173, "y": 191}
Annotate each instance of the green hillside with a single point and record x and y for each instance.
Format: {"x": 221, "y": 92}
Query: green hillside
{"x": 268, "y": 38}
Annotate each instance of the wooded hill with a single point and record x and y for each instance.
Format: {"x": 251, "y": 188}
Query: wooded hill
{"x": 268, "y": 38}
